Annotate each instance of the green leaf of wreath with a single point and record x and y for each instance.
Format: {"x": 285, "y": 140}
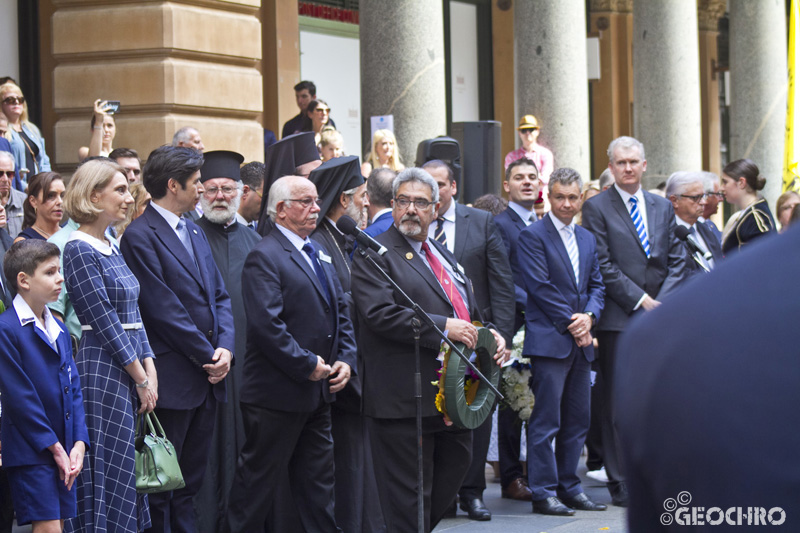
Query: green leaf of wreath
{"x": 473, "y": 415}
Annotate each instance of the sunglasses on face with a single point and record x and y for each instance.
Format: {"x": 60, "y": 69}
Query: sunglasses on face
{"x": 13, "y": 100}
{"x": 7, "y": 173}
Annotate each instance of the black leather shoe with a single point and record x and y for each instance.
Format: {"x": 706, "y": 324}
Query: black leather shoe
{"x": 552, "y": 506}
{"x": 476, "y": 509}
{"x": 581, "y": 502}
{"x": 619, "y": 497}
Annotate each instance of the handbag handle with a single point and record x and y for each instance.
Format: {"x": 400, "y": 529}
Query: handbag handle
{"x": 153, "y": 426}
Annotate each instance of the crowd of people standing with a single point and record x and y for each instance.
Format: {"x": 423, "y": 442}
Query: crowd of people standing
{"x": 229, "y": 300}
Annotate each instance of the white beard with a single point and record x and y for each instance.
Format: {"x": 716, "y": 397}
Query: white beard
{"x": 218, "y": 216}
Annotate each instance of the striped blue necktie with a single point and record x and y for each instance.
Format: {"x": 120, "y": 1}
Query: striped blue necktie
{"x": 639, "y": 224}
{"x": 572, "y": 251}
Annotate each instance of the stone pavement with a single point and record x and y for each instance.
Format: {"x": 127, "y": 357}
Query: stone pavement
{"x": 510, "y": 516}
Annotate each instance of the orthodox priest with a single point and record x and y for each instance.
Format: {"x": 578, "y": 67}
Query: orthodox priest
{"x": 343, "y": 191}
{"x": 230, "y": 243}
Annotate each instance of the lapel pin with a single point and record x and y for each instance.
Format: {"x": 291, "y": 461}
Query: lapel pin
{"x": 409, "y": 256}
{"x": 195, "y": 231}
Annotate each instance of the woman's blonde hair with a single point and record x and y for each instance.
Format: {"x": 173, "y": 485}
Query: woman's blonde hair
{"x": 140, "y": 198}
{"x": 11, "y": 86}
{"x": 91, "y": 176}
{"x": 394, "y": 161}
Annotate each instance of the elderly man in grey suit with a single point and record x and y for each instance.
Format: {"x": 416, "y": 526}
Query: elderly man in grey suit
{"x": 641, "y": 261}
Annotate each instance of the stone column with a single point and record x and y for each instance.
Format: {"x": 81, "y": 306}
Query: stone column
{"x": 281, "y": 61}
{"x": 551, "y": 76}
{"x": 709, "y": 13}
{"x": 666, "y": 86}
{"x": 170, "y": 63}
{"x": 758, "y": 87}
{"x": 612, "y": 95}
{"x": 402, "y": 70}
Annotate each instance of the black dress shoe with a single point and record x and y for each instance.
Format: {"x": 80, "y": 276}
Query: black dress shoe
{"x": 476, "y": 509}
{"x": 619, "y": 497}
{"x": 581, "y": 502}
{"x": 552, "y": 506}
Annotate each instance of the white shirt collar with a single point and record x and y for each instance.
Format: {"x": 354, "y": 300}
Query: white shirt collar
{"x": 558, "y": 224}
{"x": 171, "y": 218}
{"x": 334, "y": 225}
{"x": 681, "y": 222}
{"x": 626, "y": 196}
{"x": 523, "y": 212}
{"x": 25, "y": 314}
{"x": 380, "y": 214}
{"x": 296, "y": 240}
{"x": 450, "y": 214}
{"x": 101, "y": 246}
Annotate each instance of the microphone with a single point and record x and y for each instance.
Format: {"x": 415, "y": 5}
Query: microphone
{"x": 683, "y": 233}
{"x": 348, "y": 226}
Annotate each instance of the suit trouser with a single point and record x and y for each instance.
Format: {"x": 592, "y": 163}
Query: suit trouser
{"x": 509, "y": 435}
{"x": 475, "y": 482}
{"x": 190, "y": 431}
{"x": 611, "y": 451}
{"x": 561, "y": 412}
{"x": 274, "y": 439}
{"x": 446, "y": 453}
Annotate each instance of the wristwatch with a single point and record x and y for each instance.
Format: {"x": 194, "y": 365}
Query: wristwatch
{"x": 143, "y": 385}
{"x": 591, "y": 315}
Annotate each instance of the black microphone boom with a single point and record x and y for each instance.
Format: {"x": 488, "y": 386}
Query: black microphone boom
{"x": 348, "y": 226}
{"x": 683, "y": 233}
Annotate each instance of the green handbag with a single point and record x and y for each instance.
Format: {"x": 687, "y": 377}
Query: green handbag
{"x": 157, "y": 468}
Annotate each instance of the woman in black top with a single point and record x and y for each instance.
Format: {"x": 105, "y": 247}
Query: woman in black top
{"x": 43, "y": 208}
{"x": 740, "y": 185}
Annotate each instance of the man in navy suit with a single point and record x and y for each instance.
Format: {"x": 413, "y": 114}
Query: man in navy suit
{"x": 641, "y": 261}
{"x": 522, "y": 186}
{"x": 686, "y": 191}
{"x": 707, "y": 398}
{"x": 187, "y": 314}
{"x": 558, "y": 261}
{"x": 300, "y": 352}
{"x": 379, "y": 191}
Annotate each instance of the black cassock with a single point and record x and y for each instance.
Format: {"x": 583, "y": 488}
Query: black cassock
{"x": 229, "y": 246}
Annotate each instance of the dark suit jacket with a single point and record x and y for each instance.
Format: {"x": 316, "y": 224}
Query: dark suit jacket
{"x": 713, "y": 246}
{"x": 186, "y": 311}
{"x": 386, "y": 337}
{"x": 717, "y": 362}
{"x": 290, "y": 323}
{"x": 42, "y": 400}
{"x": 480, "y": 249}
{"x": 627, "y": 272}
{"x": 5, "y": 292}
{"x": 509, "y": 224}
{"x": 553, "y": 294}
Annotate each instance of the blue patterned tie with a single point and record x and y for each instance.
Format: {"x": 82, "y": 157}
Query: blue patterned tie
{"x": 637, "y": 221}
{"x": 572, "y": 251}
{"x": 183, "y": 232}
{"x": 308, "y": 248}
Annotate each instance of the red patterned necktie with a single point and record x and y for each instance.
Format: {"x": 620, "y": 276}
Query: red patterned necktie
{"x": 446, "y": 283}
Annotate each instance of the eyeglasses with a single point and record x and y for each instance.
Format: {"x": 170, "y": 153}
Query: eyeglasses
{"x": 7, "y": 173}
{"x": 305, "y": 202}
{"x": 528, "y": 131}
{"x": 226, "y": 191}
{"x": 719, "y": 194}
{"x": 419, "y": 203}
{"x": 695, "y": 198}
{"x": 323, "y": 110}
{"x": 11, "y": 100}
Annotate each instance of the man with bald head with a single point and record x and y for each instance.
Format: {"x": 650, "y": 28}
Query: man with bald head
{"x": 292, "y": 372}
{"x": 10, "y": 198}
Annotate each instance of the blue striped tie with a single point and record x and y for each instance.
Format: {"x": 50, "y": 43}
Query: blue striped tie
{"x": 572, "y": 251}
{"x": 637, "y": 221}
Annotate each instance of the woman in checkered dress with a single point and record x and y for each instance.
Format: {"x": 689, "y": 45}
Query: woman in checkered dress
{"x": 114, "y": 359}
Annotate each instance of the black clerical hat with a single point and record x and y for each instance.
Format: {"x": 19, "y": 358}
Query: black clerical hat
{"x": 221, "y": 164}
{"x": 332, "y": 178}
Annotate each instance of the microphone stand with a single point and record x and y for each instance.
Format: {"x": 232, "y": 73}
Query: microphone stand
{"x": 415, "y": 324}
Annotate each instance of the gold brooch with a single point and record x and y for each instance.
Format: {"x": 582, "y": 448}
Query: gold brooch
{"x": 409, "y": 256}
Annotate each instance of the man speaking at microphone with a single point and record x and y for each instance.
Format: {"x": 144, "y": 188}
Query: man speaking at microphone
{"x": 430, "y": 276}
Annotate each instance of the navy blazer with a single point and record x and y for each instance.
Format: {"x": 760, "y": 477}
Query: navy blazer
{"x": 510, "y": 225}
{"x": 186, "y": 311}
{"x": 380, "y": 225}
{"x": 42, "y": 400}
{"x": 290, "y": 323}
{"x": 553, "y": 294}
{"x": 627, "y": 271}
{"x": 713, "y": 246}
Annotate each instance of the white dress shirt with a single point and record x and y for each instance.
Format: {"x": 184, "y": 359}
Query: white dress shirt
{"x": 449, "y": 226}
{"x": 528, "y": 216}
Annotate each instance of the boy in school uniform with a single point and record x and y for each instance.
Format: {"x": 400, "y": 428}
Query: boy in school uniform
{"x": 43, "y": 431}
